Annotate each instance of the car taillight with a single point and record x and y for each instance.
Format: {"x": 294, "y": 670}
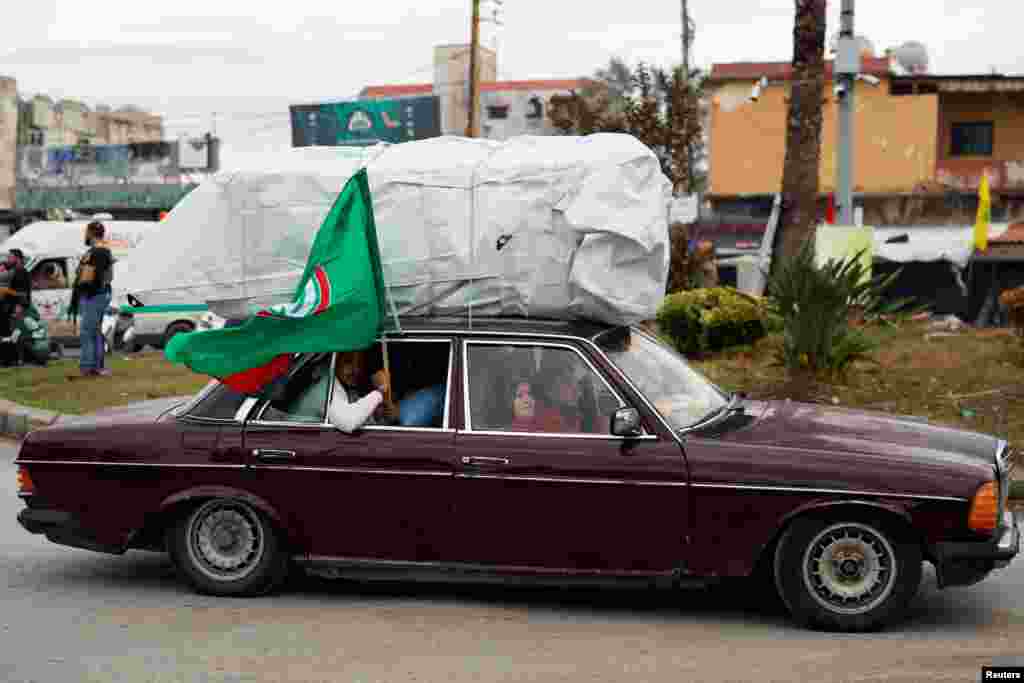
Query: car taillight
{"x": 25, "y": 485}
{"x": 984, "y": 516}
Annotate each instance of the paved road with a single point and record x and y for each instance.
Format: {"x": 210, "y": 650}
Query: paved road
{"x": 72, "y": 615}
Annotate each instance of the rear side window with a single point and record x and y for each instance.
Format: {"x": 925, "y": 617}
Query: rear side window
{"x": 222, "y": 403}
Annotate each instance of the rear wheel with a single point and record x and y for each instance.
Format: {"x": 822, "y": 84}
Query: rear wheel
{"x": 176, "y": 328}
{"x": 227, "y": 547}
{"x": 846, "y": 575}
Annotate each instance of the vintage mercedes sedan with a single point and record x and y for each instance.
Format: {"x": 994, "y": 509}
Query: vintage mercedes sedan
{"x": 530, "y": 449}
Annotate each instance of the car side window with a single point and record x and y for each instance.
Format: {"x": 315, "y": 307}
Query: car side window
{"x": 536, "y": 388}
{"x": 420, "y": 372}
{"x": 50, "y": 274}
{"x": 221, "y": 403}
{"x": 303, "y": 397}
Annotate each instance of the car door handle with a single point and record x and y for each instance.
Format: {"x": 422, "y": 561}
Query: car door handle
{"x": 272, "y": 453}
{"x": 479, "y": 460}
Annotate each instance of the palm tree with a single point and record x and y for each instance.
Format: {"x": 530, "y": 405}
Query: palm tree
{"x": 803, "y": 132}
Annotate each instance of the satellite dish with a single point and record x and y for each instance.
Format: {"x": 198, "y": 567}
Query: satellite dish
{"x": 913, "y": 57}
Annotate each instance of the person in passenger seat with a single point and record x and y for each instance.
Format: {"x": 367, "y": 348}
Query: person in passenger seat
{"x": 560, "y": 410}
{"x": 352, "y": 406}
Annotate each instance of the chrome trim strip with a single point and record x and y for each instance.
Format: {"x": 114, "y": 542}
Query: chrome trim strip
{"x": 496, "y": 333}
{"x": 195, "y": 419}
{"x": 845, "y": 492}
{"x": 128, "y": 464}
{"x": 396, "y": 428}
{"x": 573, "y": 480}
{"x": 245, "y": 409}
{"x": 356, "y": 563}
{"x": 354, "y": 470}
{"x": 481, "y": 342}
{"x": 609, "y": 437}
{"x": 331, "y": 428}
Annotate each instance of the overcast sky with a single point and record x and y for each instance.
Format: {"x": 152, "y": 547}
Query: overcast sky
{"x": 247, "y": 61}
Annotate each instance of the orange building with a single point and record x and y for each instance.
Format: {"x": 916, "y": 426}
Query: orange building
{"x": 921, "y": 142}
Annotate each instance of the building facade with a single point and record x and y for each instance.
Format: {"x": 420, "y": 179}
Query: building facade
{"x": 506, "y": 109}
{"x": 921, "y": 142}
{"x": 56, "y": 156}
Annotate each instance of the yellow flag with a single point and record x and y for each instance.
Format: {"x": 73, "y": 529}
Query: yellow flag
{"x": 984, "y": 215}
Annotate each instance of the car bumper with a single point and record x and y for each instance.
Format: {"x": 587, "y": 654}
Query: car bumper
{"x": 62, "y": 528}
{"x": 961, "y": 564}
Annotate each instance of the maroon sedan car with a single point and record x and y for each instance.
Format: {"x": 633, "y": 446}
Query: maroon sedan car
{"x": 540, "y": 450}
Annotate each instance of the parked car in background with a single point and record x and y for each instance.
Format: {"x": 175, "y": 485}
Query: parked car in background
{"x": 555, "y": 451}
{"x": 156, "y": 329}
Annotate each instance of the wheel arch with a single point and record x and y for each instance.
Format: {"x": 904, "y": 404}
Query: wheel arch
{"x": 855, "y": 509}
{"x": 151, "y": 535}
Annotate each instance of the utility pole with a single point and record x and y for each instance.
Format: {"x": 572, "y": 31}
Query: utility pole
{"x": 685, "y": 11}
{"x": 847, "y": 66}
{"x": 474, "y": 73}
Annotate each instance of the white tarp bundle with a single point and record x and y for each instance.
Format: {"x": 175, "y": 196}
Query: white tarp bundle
{"x": 953, "y": 243}
{"x": 553, "y": 227}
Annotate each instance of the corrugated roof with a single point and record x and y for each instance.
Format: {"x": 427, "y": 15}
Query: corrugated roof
{"x": 397, "y": 90}
{"x": 485, "y": 86}
{"x": 751, "y": 71}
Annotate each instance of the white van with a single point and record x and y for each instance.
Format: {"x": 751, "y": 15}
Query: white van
{"x": 52, "y": 250}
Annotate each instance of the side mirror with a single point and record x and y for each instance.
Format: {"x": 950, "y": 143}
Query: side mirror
{"x": 626, "y": 422}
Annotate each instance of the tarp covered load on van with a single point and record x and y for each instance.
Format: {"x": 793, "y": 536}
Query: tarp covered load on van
{"x": 59, "y": 239}
{"x": 554, "y": 227}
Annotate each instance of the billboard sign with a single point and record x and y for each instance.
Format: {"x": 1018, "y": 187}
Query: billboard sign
{"x": 366, "y": 122}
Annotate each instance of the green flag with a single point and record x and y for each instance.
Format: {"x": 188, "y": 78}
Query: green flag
{"x": 338, "y": 305}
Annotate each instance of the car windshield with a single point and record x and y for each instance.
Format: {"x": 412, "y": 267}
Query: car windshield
{"x": 682, "y": 395}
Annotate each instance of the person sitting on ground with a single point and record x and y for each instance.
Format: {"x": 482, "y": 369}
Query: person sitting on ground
{"x": 354, "y": 404}
{"x": 30, "y": 340}
{"x": 17, "y": 283}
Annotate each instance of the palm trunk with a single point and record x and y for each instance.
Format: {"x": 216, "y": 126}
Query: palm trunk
{"x": 803, "y": 132}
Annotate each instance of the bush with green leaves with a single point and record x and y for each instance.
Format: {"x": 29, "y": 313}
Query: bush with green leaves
{"x": 815, "y": 302}
{"x": 711, "y": 319}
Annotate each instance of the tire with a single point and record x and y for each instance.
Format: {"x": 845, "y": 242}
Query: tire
{"x": 176, "y": 328}
{"x": 249, "y": 561}
{"x": 882, "y": 566}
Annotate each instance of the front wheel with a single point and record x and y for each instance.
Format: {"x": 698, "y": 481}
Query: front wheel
{"x": 847, "y": 575}
{"x": 226, "y": 547}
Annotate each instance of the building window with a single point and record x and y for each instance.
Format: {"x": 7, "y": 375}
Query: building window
{"x": 497, "y": 112}
{"x": 535, "y": 108}
{"x": 972, "y": 139}
{"x": 36, "y": 137}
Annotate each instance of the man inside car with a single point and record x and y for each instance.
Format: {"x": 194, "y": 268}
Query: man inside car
{"x": 357, "y": 402}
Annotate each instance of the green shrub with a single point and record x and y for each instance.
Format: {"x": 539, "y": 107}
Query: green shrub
{"x": 711, "y": 319}
{"x": 1017, "y": 490}
{"x": 815, "y": 304}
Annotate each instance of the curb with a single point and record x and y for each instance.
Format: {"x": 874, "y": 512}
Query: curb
{"x": 17, "y": 420}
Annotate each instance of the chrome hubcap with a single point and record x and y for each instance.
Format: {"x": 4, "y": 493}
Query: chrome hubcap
{"x": 849, "y": 568}
{"x": 225, "y": 540}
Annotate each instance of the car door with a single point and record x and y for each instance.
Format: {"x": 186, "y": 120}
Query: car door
{"x": 578, "y": 500}
{"x": 380, "y": 493}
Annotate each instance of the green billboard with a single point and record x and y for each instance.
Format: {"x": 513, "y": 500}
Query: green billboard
{"x": 366, "y": 122}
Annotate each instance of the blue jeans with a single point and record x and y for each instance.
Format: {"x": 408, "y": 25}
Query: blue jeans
{"x": 425, "y": 408}
{"x": 91, "y": 310}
